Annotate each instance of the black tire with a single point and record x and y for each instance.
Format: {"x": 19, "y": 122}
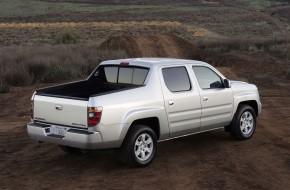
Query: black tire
{"x": 128, "y": 148}
{"x": 71, "y": 150}
{"x": 246, "y": 116}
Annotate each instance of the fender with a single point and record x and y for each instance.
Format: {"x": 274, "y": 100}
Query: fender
{"x": 143, "y": 113}
{"x": 247, "y": 96}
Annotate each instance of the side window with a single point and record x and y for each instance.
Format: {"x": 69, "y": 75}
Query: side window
{"x": 176, "y": 79}
{"x": 207, "y": 78}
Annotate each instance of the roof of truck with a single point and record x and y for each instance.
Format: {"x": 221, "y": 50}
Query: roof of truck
{"x": 149, "y": 62}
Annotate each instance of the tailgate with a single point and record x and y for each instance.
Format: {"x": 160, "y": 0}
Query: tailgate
{"x": 60, "y": 111}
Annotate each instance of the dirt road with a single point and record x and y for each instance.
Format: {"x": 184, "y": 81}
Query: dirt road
{"x": 211, "y": 160}
{"x": 150, "y": 46}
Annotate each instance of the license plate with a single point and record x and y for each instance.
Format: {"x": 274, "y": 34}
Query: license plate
{"x": 61, "y": 131}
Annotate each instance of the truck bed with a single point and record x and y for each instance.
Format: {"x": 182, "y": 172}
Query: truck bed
{"x": 83, "y": 89}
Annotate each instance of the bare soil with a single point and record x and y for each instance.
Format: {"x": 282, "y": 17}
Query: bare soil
{"x": 211, "y": 160}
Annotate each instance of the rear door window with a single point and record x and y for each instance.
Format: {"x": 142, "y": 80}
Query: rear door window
{"x": 176, "y": 79}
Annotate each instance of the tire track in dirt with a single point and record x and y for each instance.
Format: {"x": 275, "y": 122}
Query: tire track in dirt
{"x": 151, "y": 46}
{"x": 276, "y": 23}
{"x": 275, "y": 115}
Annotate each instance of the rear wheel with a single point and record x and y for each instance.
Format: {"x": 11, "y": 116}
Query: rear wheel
{"x": 139, "y": 147}
{"x": 244, "y": 123}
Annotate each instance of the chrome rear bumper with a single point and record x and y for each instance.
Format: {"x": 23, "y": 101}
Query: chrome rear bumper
{"x": 78, "y": 138}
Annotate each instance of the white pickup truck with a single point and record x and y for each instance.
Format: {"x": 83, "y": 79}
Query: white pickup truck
{"x": 131, "y": 104}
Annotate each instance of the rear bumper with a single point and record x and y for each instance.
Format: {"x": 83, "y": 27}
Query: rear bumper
{"x": 73, "y": 137}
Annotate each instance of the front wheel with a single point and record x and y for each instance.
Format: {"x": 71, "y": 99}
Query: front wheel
{"x": 139, "y": 147}
{"x": 244, "y": 123}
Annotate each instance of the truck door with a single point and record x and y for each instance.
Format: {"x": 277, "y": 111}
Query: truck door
{"x": 216, "y": 100}
{"x": 181, "y": 99}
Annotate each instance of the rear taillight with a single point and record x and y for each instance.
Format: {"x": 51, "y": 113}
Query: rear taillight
{"x": 94, "y": 116}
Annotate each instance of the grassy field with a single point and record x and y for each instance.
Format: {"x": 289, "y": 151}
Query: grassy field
{"x": 19, "y": 8}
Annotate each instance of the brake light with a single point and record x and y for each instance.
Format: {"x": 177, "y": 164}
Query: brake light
{"x": 124, "y": 63}
{"x": 94, "y": 116}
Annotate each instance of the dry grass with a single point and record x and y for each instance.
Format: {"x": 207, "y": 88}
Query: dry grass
{"x": 21, "y": 66}
{"x": 254, "y": 45}
{"x": 28, "y": 34}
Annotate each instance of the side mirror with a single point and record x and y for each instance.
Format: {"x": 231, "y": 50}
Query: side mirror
{"x": 227, "y": 83}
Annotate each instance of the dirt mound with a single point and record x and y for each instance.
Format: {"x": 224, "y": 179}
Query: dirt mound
{"x": 151, "y": 46}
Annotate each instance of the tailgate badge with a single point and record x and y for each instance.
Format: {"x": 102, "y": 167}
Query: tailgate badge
{"x": 58, "y": 107}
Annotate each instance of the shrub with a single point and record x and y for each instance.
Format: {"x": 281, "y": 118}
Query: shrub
{"x": 18, "y": 77}
{"x": 61, "y": 72}
{"x": 67, "y": 37}
{"x": 3, "y": 86}
{"x": 21, "y": 66}
{"x": 288, "y": 74}
{"x": 38, "y": 71}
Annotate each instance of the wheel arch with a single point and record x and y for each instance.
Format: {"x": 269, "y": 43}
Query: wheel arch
{"x": 251, "y": 103}
{"x": 151, "y": 122}
{"x": 249, "y": 98}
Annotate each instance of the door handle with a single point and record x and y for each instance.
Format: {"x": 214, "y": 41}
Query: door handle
{"x": 58, "y": 107}
{"x": 171, "y": 103}
{"x": 205, "y": 99}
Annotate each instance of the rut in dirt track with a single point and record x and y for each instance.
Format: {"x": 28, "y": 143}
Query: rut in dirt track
{"x": 150, "y": 46}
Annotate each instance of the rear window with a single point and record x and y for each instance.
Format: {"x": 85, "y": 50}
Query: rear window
{"x": 122, "y": 74}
